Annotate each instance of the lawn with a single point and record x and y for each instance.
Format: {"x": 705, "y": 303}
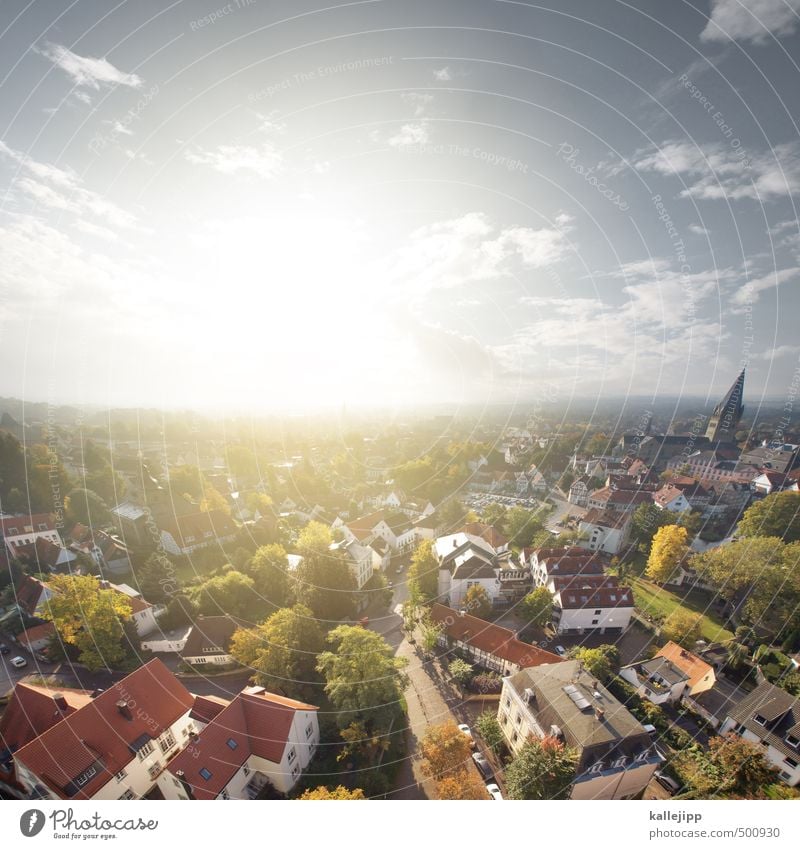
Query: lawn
{"x": 659, "y": 603}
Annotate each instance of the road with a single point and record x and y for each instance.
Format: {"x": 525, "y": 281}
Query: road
{"x": 562, "y": 509}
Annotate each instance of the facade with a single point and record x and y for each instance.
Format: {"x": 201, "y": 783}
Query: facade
{"x": 657, "y": 680}
{"x": 20, "y": 531}
{"x": 770, "y": 717}
{"x": 359, "y": 559}
{"x": 671, "y": 498}
{"x": 209, "y": 641}
{"x": 616, "y": 757}
{"x": 605, "y": 531}
{"x": 465, "y": 561}
{"x": 701, "y": 675}
{"x": 579, "y": 491}
{"x": 185, "y": 534}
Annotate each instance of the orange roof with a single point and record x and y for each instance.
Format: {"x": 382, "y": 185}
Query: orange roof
{"x": 37, "y": 632}
{"x": 686, "y": 661}
{"x": 493, "y": 639}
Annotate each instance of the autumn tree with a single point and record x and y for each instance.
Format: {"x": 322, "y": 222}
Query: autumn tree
{"x": 477, "y": 602}
{"x": 268, "y": 568}
{"x": 423, "y": 574}
{"x": 323, "y": 580}
{"x": 465, "y": 785}
{"x": 682, "y": 627}
{"x": 489, "y": 728}
{"x": 595, "y": 661}
{"x": 537, "y": 607}
{"x": 460, "y": 671}
{"x": 446, "y": 751}
{"x": 282, "y": 651}
{"x": 743, "y": 769}
{"x": 339, "y": 794}
{"x": 542, "y": 769}
{"x": 89, "y": 617}
{"x": 668, "y": 550}
{"x": 777, "y": 515}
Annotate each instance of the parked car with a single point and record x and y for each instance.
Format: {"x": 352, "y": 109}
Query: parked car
{"x": 482, "y": 764}
{"x": 4, "y": 649}
{"x": 494, "y": 791}
{"x": 666, "y": 782}
{"x": 465, "y": 729}
{"x": 19, "y": 662}
{"x": 561, "y": 650}
{"x": 650, "y": 729}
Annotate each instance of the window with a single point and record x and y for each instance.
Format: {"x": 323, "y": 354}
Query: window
{"x": 597, "y": 612}
{"x": 791, "y": 763}
{"x": 167, "y": 741}
{"x": 792, "y": 741}
{"x": 292, "y": 755}
{"x": 121, "y": 775}
{"x": 246, "y": 770}
{"x": 232, "y": 744}
{"x": 309, "y": 730}
{"x": 759, "y": 719}
{"x": 154, "y": 769}
{"x": 785, "y": 776}
{"x": 295, "y": 770}
{"x": 595, "y": 768}
{"x": 620, "y": 762}
{"x": 613, "y": 597}
{"x": 205, "y": 773}
{"x": 224, "y": 794}
{"x": 128, "y": 794}
{"x": 595, "y": 621}
{"x": 146, "y": 750}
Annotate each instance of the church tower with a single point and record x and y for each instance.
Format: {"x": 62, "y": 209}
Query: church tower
{"x": 727, "y": 414}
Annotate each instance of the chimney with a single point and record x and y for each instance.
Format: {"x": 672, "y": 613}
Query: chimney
{"x": 60, "y": 701}
{"x": 599, "y": 713}
{"x": 122, "y": 707}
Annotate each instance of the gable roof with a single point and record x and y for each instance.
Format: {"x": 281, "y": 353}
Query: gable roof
{"x": 37, "y": 632}
{"x": 488, "y": 637}
{"x": 666, "y": 494}
{"x": 199, "y": 526}
{"x": 78, "y": 756}
{"x": 695, "y": 667}
{"x": 257, "y": 722}
{"x": 781, "y": 712}
{"x": 209, "y": 634}
{"x": 18, "y": 525}
{"x": 28, "y": 593}
{"x": 605, "y": 519}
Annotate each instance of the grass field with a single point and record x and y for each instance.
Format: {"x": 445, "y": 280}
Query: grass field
{"x": 658, "y": 602}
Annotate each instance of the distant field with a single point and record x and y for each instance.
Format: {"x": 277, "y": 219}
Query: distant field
{"x": 656, "y": 601}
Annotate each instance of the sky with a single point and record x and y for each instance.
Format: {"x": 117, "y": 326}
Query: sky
{"x": 275, "y": 206}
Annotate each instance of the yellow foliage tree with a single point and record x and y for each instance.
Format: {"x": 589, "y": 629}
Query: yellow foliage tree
{"x": 338, "y": 793}
{"x": 446, "y": 751}
{"x": 462, "y": 785}
{"x": 668, "y": 550}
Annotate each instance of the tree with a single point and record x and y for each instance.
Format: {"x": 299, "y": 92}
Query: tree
{"x": 682, "y": 627}
{"x": 778, "y": 515}
{"x": 430, "y": 635}
{"x": 465, "y": 785}
{"x": 460, "y": 671}
{"x": 423, "y": 574}
{"x": 489, "y": 728}
{"x": 268, "y": 569}
{"x": 232, "y": 593}
{"x": 446, "y": 751}
{"x": 282, "y": 651}
{"x": 543, "y": 769}
{"x": 595, "y": 661}
{"x": 521, "y": 526}
{"x": 537, "y": 607}
{"x": 89, "y": 618}
{"x": 363, "y": 678}
{"x": 452, "y": 514}
{"x": 155, "y": 578}
{"x": 86, "y": 507}
{"x": 742, "y": 766}
{"x": 494, "y": 514}
{"x": 323, "y": 580}
{"x": 477, "y": 602}
{"x": 338, "y": 794}
{"x": 668, "y": 550}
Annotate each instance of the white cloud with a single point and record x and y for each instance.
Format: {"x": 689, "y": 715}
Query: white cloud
{"x": 749, "y": 292}
{"x": 751, "y": 20}
{"x": 715, "y": 171}
{"x": 698, "y": 230}
{"x": 265, "y": 161}
{"x": 409, "y": 134}
{"x": 86, "y": 71}
{"x": 780, "y": 351}
{"x": 420, "y": 101}
{"x": 443, "y": 75}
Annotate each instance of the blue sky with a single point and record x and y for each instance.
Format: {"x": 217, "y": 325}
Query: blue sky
{"x": 284, "y": 205}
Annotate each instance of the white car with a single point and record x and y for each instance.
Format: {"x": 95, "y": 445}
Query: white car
{"x": 561, "y": 650}
{"x": 19, "y": 662}
{"x": 465, "y": 729}
{"x": 494, "y": 791}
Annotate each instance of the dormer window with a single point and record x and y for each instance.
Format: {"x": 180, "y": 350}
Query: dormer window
{"x": 759, "y": 719}
{"x": 619, "y": 763}
{"x": 792, "y": 741}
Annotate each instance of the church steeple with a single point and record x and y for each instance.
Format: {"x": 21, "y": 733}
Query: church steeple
{"x": 728, "y": 413}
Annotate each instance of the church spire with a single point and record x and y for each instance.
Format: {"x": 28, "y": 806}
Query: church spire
{"x": 728, "y": 413}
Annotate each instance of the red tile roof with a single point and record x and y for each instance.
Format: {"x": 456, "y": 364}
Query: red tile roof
{"x": 29, "y": 591}
{"x": 688, "y": 662}
{"x": 486, "y": 532}
{"x": 490, "y": 638}
{"x": 19, "y": 525}
{"x": 577, "y": 598}
{"x": 258, "y": 723}
{"x": 99, "y": 737}
{"x": 604, "y": 518}
{"x": 37, "y": 632}
{"x": 666, "y": 494}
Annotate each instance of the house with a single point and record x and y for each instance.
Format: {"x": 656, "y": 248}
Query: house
{"x": 496, "y": 539}
{"x": 770, "y": 717}
{"x": 548, "y": 563}
{"x": 131, "y": 520}
{"x": 536, "y": 481}
{"x": 616, "y": 757}
{"x": 114, "y": 556}
{"x": 112, "y": 746}
{"x": 381, "y": 554}
{"x": 658, "y": 680}
{"x": 359, "y": 559}
{"x": 486, "y": 644}
{"x": 394, "y": 528}
{"x": 775, "y": 456}
{"x": 256, "y": 739}
{"x": 167, "y": 642}
{"x": 696, "y": 494}
{"x": 185, "y": 534}
{"x": 44, "y": 555}
{"x": 618, "y": 500}
{"x": 32, "y": 595}
{"x": 769, "y": 481}
{"x": 671, "y": 498}
{"x": 701, "y": 674}
{"x": 585, "y": 604}
{"x": 143, "y": 613}
{"x": 465, "y": 561}
{"x": 605, "y": 530}
{"x": 579, "y": 491}
{"x": 20, "y": 531}
{"x": 37, "y": 637}
{"x": 209, "y": 641}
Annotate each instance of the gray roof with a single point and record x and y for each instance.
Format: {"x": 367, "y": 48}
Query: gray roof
{"x": 781, "y": 712}
{"x": 663, "y": 668}
{"x": 614, "y": 733}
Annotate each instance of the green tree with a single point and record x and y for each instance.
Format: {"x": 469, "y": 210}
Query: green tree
{"x": 232, "y": 593}
{"x": 477, "y": 602}
{"x": 423, "y": 574}
{"x": 682, "y": 627}
{"x": 521, "y": 526}
{"x": 494, "y": 514}
{"x": 323, "y": 580}
{"x": 543, "y": 769}
{"x": 363, "y": 678}
{"x": 86, "y": 507}
{"x": 489, "y": 728}
{"x": 269, "y": 570}
{"x": 595, "y": 661}
{"x": 156, "y": 578}
{"x": 537, "y": 607}
{"x": 282, "y": 651}
{"x": 668, "y": 550}
{"x": 778, "y": 515}
{"x": 460, "y": 671}
{"x": 89, "y": 618}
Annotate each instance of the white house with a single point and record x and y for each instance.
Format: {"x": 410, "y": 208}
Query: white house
{"x": 579, "y": 491}
{"x": 604, "y": 530}
{"x": 616, "y": 757}
{"x": 209, "y": 641}
{"x": 585, "y": 604}
{"x": 20, "y": 531}
{"x": 770, "y": 718}
{"x": 359, "y": 559}
{"x": 465, "y": 561}
{"x": 657, "y": 680}
{"x": 671, "y": 498}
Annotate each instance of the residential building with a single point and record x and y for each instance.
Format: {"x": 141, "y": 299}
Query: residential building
{"x": 20, "y": 531}
{"x": 185, "y": 534}
{"x": 486, "y": 644}
{"x": 37, "y": 637}
{"x": 393, "y": 527}
{"x": 605, "y": 530}
{"x": 775, "y": 456}
{"x": 671, "y": 498}
{"x": 616, "y": 500}
{"x": 255, "y": 739}
{"x": 359, "y": 559}
{"x": 131, "y": 520}
{"x": 579, "y": 491}
{"x": 209, "y": 641}
{"x": 43, "y": 555}
{"x": 657, "y": 680}
{"x": 616, "y": 757}
{"x": 701, "y": 675}
{"x": 591, "y": 604}
{"x": 465, "y": 561}
{"x": 770, "y": 717}
{"x": 496, "y": 539}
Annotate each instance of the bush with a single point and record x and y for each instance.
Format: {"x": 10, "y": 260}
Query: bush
{"x": 486, "y": 682}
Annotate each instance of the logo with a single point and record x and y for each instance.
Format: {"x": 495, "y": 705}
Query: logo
{"x": 31, "y": 822}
